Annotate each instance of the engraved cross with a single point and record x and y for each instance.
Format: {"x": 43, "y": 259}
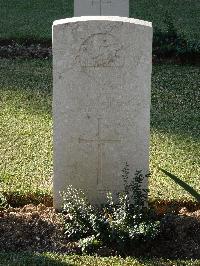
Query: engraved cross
{"x": 100, "y": 142}
{"x": 101, "y": 8}
{"x": 100, "y": 4}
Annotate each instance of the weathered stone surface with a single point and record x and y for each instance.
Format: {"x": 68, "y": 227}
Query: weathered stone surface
{"x": 87, "y": 8}
{"x": 101, "y": 102}
{"x": 101, "y": 8}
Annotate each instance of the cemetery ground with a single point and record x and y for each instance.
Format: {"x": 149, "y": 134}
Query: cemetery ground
{"x": 31, "y": 232}
{"x": 26, "y": 166}
{"x": 26, "y": 128}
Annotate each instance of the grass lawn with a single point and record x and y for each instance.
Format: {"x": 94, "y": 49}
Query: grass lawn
{"x": 26, "y": 127}
{"x": 175, "y": 129}
{"x": 23, "y": 259}
{"x": 32, "y": 20}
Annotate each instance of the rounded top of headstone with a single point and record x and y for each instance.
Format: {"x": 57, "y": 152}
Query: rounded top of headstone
{"x": 102, "y": 18}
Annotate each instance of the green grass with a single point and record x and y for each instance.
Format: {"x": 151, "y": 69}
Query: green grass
{"x": 175, "y": 129}
{"x": 23, "y": 259}
{"x": 31, "y": 20}
{"x": 22, "y": 20}
{"x": 184, "y": 14}
{"x": 26, "y": 127}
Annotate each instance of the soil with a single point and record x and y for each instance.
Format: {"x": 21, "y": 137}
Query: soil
{"x": 32, "y": 228}
{"x": 14, "y": 50}
{"x": 40, "y": 228}
{"x": 179, "y": 237}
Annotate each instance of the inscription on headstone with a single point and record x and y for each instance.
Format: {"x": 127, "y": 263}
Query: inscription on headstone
{"x": 101, "y": 50}
{"x": 101, "y": 103}
{"x": 101, "y": 8}
{"x": 100, "y": 142}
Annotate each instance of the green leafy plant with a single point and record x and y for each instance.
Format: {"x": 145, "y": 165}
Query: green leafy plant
{"x": 89, "y": 244}
{"x": 3, "y": 201}
{"x": 122, "y": 225}
{"x": 81, "y": 217}
{"x": 183, "y": 184}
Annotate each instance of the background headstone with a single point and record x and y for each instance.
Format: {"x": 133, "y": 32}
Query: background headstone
{"x": 101, "y": 102}
{"x": 101, "y": 8}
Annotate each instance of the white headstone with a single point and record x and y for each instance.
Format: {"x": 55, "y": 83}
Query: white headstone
{"x": 101, "y": 8}
{"x": 101, "y": 102}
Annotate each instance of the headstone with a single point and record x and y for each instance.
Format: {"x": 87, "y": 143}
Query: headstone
{"x": 101, "y": 8}
{"x": 101, "y": 103}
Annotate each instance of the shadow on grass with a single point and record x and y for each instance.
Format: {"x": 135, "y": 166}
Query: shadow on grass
{"x": 183, "y": 184}
{"x": 15, "y": 259}
{"x": 17, "y": 199}
{"x": 175, "y": 94}
{"x": 27, "y": 85}
{"x": 30, "y": 258}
